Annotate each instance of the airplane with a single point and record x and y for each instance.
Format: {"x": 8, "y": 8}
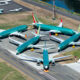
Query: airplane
{"x": 46, "y": 61}
{"x": 71, "y": 41}
{"x": 55, "y": 29}
{"x": 28, "y": 44}
{"x": 4, "y": 2}
{"x": 16, "y": 10}
{"x": 1, "y": 11}
{"x": 13, "y": 31}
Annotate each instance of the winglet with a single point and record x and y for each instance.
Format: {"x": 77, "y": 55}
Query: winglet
{"x": 79, "y": 28}
{"x": 38, "y": 32}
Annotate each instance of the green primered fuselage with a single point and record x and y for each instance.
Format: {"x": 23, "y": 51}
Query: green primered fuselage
{"x": 12, "y": 30}
{"x": 64, "y": 44}
{"x": 45, "y": 58}
{"x": 26, "y": 44}
{"x": 63, "y": 30}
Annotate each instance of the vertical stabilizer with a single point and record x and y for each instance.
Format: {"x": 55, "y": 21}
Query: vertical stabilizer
{"x": 61, "y": 24}
{"x": 38, "y": 32}
{"x": 34, "y": 20}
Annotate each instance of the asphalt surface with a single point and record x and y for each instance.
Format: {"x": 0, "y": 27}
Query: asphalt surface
{"x": 4, "y": 54}
{"x": 42, "y": 5}
{"x": 12, "y": 5}
{"x": 58, "y": 72}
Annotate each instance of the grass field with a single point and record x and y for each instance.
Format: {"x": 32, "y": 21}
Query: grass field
{"x": 75, "y": 52}
{"x": 8, "y": 73}
{"x": 7, "y": 23}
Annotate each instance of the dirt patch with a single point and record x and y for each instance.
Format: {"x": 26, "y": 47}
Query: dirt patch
{"x": 13, "y": 18}
{"x": 16, "y": 18}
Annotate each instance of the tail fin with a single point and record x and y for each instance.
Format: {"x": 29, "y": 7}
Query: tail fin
{"x": 79, "y": 28}
{"x": 38, "y": 31}
{"x": 34, "y": 20}
{"x": 61, "y": 24}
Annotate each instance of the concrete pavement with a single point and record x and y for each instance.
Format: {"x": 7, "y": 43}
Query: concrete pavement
{"x": 58, "y": 72}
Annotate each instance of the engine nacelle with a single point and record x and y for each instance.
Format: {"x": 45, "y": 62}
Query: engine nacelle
{"x": 38, "y": 63}
{"x": 53, "y": 63}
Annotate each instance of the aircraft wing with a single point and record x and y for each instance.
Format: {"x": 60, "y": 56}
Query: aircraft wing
{"x": 58, "y": 58}
{"x": 40, "y": 46}
{"x": 14, "y": 41}
{"x": 18, "y": 34}
{"x": 32, "y": 59}
{"x": 54, "y": 31}
{"x": 47, "y": 32}
{"x": 1, "y": 30}
{"x": 56, "y": 39}
{"x": 74, "y": 43}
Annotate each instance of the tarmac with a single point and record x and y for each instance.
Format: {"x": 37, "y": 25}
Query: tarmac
{"x": 57, "y": 72}
{"x": 11, "y": 6}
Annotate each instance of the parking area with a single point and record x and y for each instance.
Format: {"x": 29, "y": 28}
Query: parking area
{"x": 13, "y": 6}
